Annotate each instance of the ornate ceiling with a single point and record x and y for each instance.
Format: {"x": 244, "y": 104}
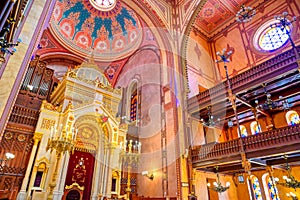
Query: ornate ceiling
{"x": 108, "y": 28}
{"x": 215, "y": 13}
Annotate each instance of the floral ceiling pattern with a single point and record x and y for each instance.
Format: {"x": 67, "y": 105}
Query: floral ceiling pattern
{"x": 85, "y": 29}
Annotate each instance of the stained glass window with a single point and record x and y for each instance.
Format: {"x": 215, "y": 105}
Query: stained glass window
{"x": 256, "y": 188}
{"x": 244, "y": 132}
{"x": 255, "y": 128}
{"x": 292, "y": 118}
{"x": 272, "y": 189}
{"x": 133, "y": 106}
{"x": 273, "y": 38}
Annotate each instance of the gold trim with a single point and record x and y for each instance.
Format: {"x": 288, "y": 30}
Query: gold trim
{"x": 68, "y": 187}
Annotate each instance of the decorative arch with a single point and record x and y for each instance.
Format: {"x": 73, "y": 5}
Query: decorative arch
{"x": 270, "y": 188}
{"x": 292, "y": 118}
{"x": 90, "y": 131}
{"x": 184, "y": 43}
{"x": 255, "y": 187}
{"x": 255, "y": 128}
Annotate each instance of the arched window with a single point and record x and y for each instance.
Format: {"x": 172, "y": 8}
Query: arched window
{"x": 255, "y": 187}
{"x": 133, "y": 105}
{"x": 292, "y": 118}
{"x": 270, "y": 188}
{"x": 133, "y": 101}
{"x": 255, "y": 128}
{"x": 244, "y": 132}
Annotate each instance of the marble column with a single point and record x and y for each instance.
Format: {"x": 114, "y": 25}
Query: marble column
{"x": 106, "y": 168}
{"x": 110, "y": 164}
{"x": 58, "y": 193}
{"x": 97, "y": 169}
{"x": 23, "y": 193}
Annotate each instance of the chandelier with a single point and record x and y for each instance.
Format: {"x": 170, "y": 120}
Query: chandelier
{"x": 245, "y": 14}
{"x": 210, "y": 122}
{"x": 290, "y": 180}
{"x": 217, "y": 186}
{"x": 269, "y": 104}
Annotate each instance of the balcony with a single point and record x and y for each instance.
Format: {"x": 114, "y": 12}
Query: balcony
{"x": 279, "y": 66}
{"x": 260, "y": 146}
{"x": 24, "y": 116}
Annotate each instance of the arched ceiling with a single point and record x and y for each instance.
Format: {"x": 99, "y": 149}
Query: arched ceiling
{"x": 82, "y": 26}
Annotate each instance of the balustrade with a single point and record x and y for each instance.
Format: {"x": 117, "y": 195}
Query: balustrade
{"x": 22, "y": 115}
{"x": 280, "y": 62}
{"x": 261, "y": 141}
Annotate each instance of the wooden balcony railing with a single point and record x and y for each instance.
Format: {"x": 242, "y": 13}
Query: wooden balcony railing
{"x": 260, "y": 142}
{"x": 214, "y": 150}
{"x": 275, "y": 138}
{"x": 23, "y": 115}
{"x": 278, "y": 65}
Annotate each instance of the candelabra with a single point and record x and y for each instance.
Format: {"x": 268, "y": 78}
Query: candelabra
{"x": 6, "y": 46}
{"x": 8, "y": 156}
{"x": 224, "y": 57}
{"x": 62, "y": 141}
{"x": 290, "y": 180}
{"x": 284, "y": 24}
{"x": 245, "y": 14}
{"x": 218, "y": 187}
{"x": 130, "y": 154}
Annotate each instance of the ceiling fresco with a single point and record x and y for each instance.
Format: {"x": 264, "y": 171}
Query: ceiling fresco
{"x": 82, "y": 26}
{"x": 217, "y": 12}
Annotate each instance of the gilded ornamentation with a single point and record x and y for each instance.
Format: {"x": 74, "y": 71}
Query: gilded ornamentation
{"x": 49, "y": 106}
{"x": 47, "y": 123}
{"x": 21, "y": 137}
{"x": 8, "y": 135}
{"x": 74, "y": 185}
{"x": 245, "y": 163}
{"x": 86, "y": 133}
{"x": 38, "y": 136}
{"x": 123, "y": 126}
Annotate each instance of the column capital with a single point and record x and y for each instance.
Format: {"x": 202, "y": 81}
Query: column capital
{"x": 37, "y": 137}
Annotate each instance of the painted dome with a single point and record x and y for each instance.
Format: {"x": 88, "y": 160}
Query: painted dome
{"x": 108, "y": 28}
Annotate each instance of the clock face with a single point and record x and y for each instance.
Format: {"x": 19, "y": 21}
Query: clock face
{"x": 103, "y": 5}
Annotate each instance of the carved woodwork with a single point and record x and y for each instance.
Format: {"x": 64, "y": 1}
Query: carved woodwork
{"x": 18, "y": 134}
{"x": 262, "y": 144}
